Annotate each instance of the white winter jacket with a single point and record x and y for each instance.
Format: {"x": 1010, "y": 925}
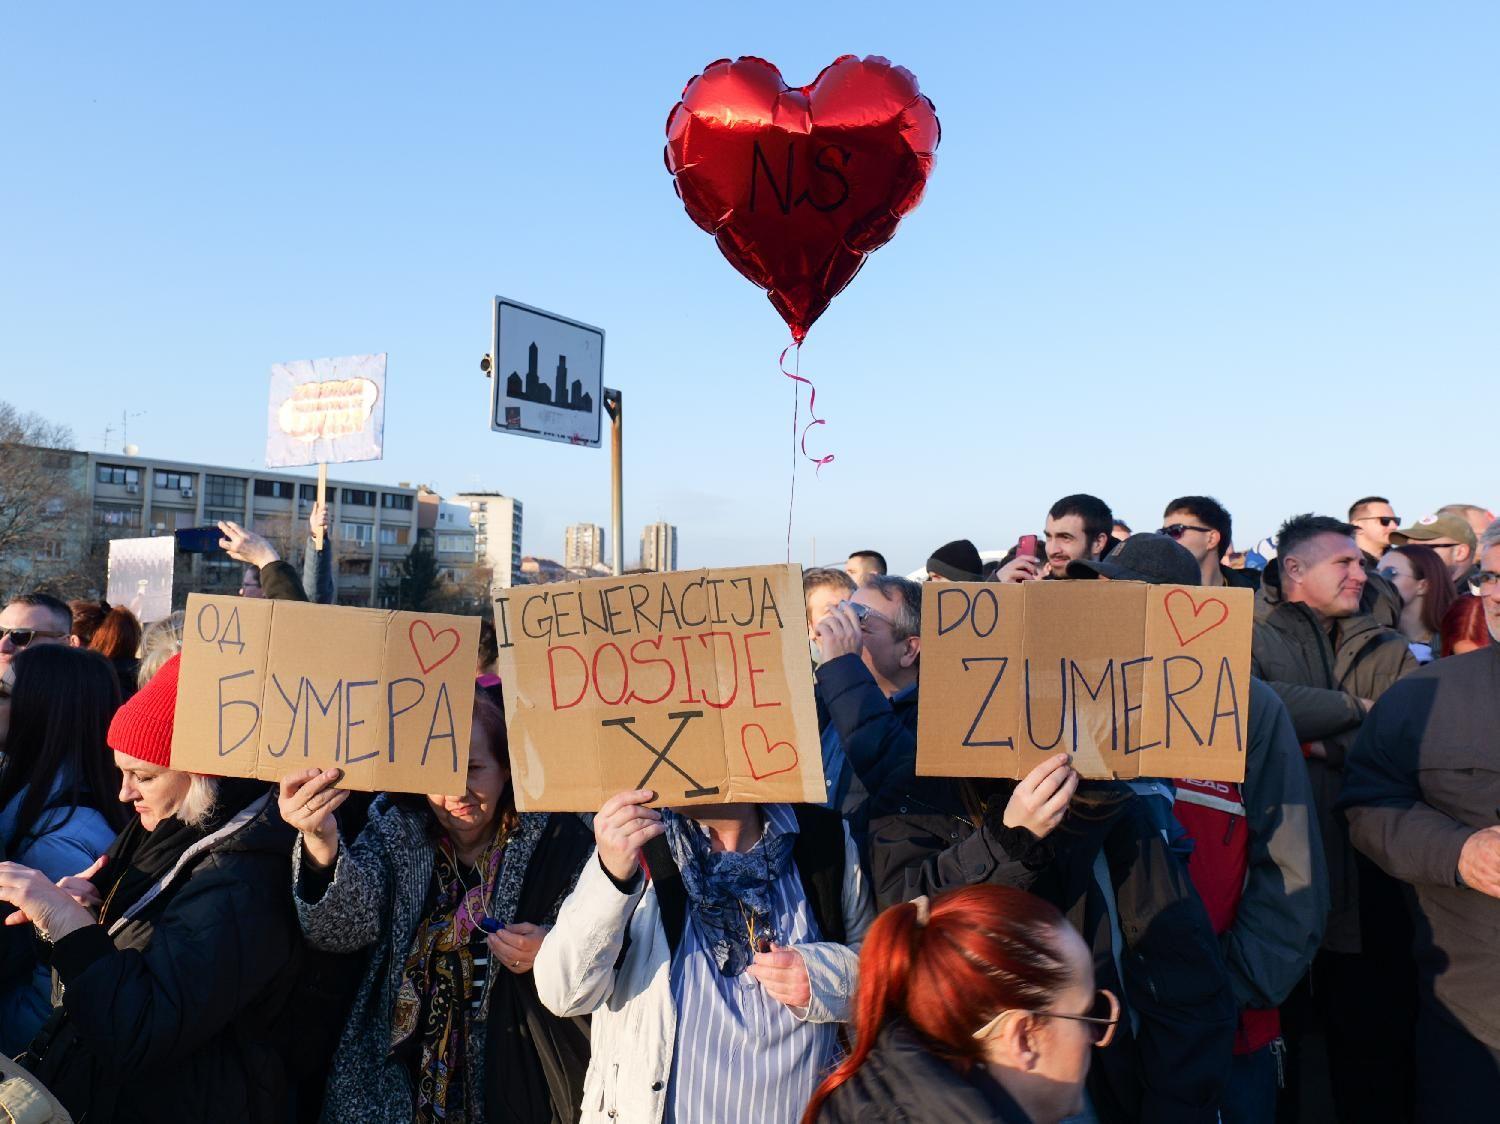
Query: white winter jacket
{"x": 634, "y": 1024}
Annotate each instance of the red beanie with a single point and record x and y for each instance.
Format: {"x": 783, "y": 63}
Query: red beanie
{"x": 142, "y": 728}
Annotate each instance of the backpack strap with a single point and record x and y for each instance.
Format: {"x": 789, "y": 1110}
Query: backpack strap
{"x": 671, "y": 896}
{"x": 819, "y": 855}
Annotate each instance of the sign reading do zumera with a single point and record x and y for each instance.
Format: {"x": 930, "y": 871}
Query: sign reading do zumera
{"x": 694, "y": 684}
{"x": 1129, "y": 679}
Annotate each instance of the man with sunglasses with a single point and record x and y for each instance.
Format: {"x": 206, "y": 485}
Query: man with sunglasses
{"x": 1448, "y": 534}
{"x": 34, "y": 618}
{"x": 1373, "y": 519}
{"x": 1204, "y": 527}
{"x": 1422, "y": 795}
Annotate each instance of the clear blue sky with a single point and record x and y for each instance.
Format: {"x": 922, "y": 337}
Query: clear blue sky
{"x": 1250, "y": 250}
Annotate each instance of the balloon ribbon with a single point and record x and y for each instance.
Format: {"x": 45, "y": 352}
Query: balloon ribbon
{"x": 812, "y": 406}
{"x": 799, "y": 439}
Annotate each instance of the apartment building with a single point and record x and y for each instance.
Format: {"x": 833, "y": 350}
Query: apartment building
{"x": 496, "y": 520}
{"x": 659, "y": 547}
{"x": 452, "y": 535}
{"x": 375, "y": 525}
{"x": 583, "y": 546}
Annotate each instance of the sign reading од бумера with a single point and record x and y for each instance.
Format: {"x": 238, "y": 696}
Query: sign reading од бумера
{"x": 270, "y": 687}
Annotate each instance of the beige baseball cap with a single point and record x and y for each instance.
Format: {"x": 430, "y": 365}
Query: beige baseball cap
{"x": 1441, "y": 527}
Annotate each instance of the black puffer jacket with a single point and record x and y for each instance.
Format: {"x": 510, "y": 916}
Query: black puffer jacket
{"x": 903, "y": 1083}
{"x": 172, "y": 1013}
{"x": 1152, "y": 941}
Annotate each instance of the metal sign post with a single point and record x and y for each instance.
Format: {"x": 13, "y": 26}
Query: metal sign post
{"x": 613, "y": 407}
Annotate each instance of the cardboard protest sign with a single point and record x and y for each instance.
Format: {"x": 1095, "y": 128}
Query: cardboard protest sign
{"x": 326, "y": 411}
{"x": 1131, "y": 679}
{"x": 271, "y": 687}
{"x": 140, "y": 576}
{"x": 695, "y": 684}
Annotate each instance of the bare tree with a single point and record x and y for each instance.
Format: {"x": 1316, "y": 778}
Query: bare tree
{"x": 43, "y": 508}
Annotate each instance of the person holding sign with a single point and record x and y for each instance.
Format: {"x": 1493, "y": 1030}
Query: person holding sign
{"x": 1096, "y": 851}
{"x": 716, "y": 984}
{"x": 276, "y": 579}
{"x": 176, "y": 951}
{"x": 453, "y": 897}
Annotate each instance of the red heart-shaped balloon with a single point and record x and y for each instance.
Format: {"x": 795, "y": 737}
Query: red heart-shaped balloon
{"x": 798, "y": 185}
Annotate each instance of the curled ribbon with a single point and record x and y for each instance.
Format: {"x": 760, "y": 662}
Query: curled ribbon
{"x": 812, "y": 406}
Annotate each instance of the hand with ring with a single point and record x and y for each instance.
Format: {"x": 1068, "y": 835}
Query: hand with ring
{"x": 517, "y": 944}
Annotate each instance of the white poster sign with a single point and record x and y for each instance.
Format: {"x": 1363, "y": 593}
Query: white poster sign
{"x": 326, "y": 411}
{"x": 547, "y": 375}
{"x": 140, "y": 576}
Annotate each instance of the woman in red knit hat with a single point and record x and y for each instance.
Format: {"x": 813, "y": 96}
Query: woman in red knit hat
{"x": 176, "y": 950}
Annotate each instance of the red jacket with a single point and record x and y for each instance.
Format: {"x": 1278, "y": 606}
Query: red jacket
{"x": 1213, "y": 813}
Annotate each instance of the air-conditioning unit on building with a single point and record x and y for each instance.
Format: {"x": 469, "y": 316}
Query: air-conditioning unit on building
{"x": 187, "y": 493}
{"x": 132, "y": 489}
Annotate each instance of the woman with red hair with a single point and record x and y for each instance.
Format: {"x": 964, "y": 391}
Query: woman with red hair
{"x": 118, "y": 639}
{"x": 979, "y": 1005}
{"x": 1464, "y": 629}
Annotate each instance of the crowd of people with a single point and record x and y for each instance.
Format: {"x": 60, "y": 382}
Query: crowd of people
{"x": 181, "y": 947}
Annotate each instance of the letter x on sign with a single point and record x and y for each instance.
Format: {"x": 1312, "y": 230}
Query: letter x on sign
{"x": 682, "y": 718}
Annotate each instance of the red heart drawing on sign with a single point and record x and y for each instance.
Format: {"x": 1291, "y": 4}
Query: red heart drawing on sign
{"x": 767, "y": 750}
{"x": 1190, "y": 614}
{"x": 424, "y": 649}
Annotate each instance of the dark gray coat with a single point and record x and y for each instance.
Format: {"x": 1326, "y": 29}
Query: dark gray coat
{"x": 1423, "y": 777}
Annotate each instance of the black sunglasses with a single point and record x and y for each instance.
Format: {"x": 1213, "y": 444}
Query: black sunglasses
{"x": 21, "y": 637}
{"x": 1385, "y": 520}
{"x": 1177, "y": 530}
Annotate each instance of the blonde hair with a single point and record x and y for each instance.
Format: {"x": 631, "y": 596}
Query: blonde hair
{"x": 198, "y": 804}
{"x": 162, "y": 640}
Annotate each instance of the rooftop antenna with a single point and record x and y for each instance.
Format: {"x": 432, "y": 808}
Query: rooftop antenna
{"x": 125, "y": 429}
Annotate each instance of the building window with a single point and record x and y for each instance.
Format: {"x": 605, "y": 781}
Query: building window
{"x": 113, "y": 516}
{"x": 395, "y": 502}
{"x": 307, "y": 492}
{"x": 274, "y": 489}
{"x": 453, "y": 544}
{"x": 117, "y": 474}
{"x": 222, "y": 514}
{"x": 225, "y": 491}
{"x": 357, "y": 533}
{"x": 359, "y": 497}
{"x": 387, "y": 570}
{"x": 175, "y": 481}
{"x": 49, "y": 550}
{"x": 388, "y": 536}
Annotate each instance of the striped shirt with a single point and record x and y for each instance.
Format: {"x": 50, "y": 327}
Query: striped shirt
{"x": 741, "y": 1055}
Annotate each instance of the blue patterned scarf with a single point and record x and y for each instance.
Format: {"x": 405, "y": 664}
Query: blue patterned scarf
{"x": 729, "y": 892}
